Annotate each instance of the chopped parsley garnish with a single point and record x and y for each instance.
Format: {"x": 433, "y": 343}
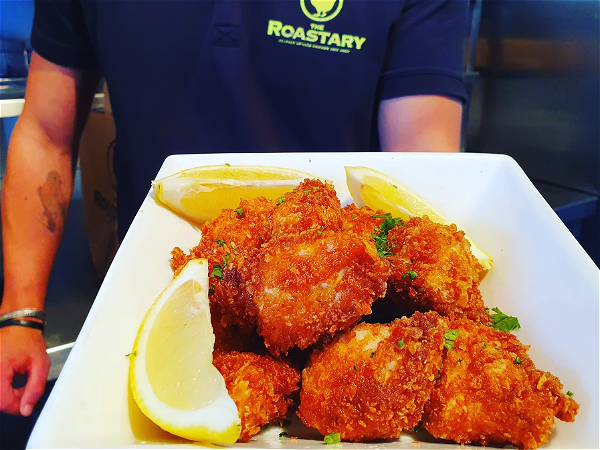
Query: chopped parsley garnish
{"x": 518, "y": 360}
{"x": 280, "y": 200}
{"x": 227, "y": 164}
{"x": 315, "y": 188}
{"x": 355, "y": 368}
{"x": 401, "y": 343}
{"x": 415, "y": 429}
{"x": 411, "y": 273}
{"x": 503, "y": 322}
{"x": 220, "y": 242}
{"x": 332, "y": 438}
{"x": 460, "y": 362}
{"x": 392, "y": 264}
{"x": 450, "y": 337}
{"x": 569, "y": 393}
{"x": 354, "y": 216}
{"x": 239, "y": 212}
{"x": 217, "y": 272}
{"x": 233, "y": 246}
{"x": 211, "y": 289}
{"x": 373, "y": 354}
{"x": 225, "y": 258}
{"x": 135, "y": 354}
{"x": 381, "y": 242}
{"x": 283, "y": 434}
{"x": 306, "y": 191}
{"x": 484, "y": 346}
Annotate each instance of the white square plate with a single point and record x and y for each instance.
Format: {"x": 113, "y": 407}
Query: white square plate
{"x": 541, "y": 275}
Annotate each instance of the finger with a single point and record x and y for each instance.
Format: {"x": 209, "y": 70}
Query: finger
{"x": 35, "y": 385}
{"x": 10, "y": 398}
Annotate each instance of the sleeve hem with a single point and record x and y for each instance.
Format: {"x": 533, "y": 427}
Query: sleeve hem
{"x": 423, "y": 82}
{"x": 61, "y": 54}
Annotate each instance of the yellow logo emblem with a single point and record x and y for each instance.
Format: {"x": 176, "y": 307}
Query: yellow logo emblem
{"x": 321, "y": 10}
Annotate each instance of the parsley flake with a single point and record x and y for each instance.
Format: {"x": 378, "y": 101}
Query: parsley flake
{"x": 450, "y": 336}
{"x": 484, "y": 346}
{"x": 373, "y": 354}
{"x": 503, "y": 322}
{"x": 134, "y": 353}
{"x": 518, "y": 360}
{"x": 381, "y": 242}
{"x": 569, "y": 393}
{"x": 306, "y": 191}
{"x": 355, "y": 368}
{"x": 280, "y": 200}
{"x": 411, "y": 273}
{"x": 401, "y": 343}
{"x": 239, "y": 212}
{"x": 226, "y": 257}
{"x": 354, "y": 216}
{"x": 217, "y": 272}
{"x": 227, "y": 164}
{"x": 332, "y": 438}
{"x": 220, "y": 242}
{"x": 283, "y": 434}
{"x": 315, "y": 188}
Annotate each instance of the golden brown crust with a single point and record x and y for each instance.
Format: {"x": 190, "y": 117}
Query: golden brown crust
{"x": 490, "y": 392}
{"x": 447, "y": 273}
{"x": 308, "y": 285}
{"x": 366, "y": 386}
{"x": 361, "y": 220}
{"x": 226, "y": 241}
{"x": 312, "y": 205}
{"x": 260, "y": 386}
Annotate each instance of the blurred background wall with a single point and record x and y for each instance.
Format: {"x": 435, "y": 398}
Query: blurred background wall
{"x": 536, "y": 98}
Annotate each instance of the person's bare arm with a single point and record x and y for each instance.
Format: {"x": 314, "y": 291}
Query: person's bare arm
{"x": 421, "y": 123}
{"x": 36, "y": 193}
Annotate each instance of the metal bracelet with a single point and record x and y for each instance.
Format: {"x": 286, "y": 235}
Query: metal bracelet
{"x": 25, "y": 312}
{"x": 22, "y": 323}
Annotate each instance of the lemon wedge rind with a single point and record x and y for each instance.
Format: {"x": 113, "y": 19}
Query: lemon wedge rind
{"x": 217, "y": 421}
{"x": 200, "y": 193}
{"x": 374, "y": 189}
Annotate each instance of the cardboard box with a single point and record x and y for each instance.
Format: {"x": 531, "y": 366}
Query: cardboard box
{"x": 99, "y": 187}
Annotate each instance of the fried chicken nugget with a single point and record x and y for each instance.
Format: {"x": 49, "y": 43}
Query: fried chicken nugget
{"x": 372, "y": 381}
{"x": 490, "y": 392}
{"x": 313, "y": 204}
{"x": 312, "y": 284}
{"x": 435, "y": 269}
{"x": 260, "y": 386}
{"x": 361, "y": 220}
{"x": 225, "y": 243}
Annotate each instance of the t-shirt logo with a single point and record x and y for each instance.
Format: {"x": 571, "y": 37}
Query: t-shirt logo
{"x": 321, "y": 10}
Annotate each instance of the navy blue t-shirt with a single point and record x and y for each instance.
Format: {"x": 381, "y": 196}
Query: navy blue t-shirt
{"x": 215, "y": 76}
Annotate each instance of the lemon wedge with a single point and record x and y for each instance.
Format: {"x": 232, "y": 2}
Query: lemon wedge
{"x": 377, "y": 190}
{"x": 201, "y": 193}
{"x": 172, "y": 377}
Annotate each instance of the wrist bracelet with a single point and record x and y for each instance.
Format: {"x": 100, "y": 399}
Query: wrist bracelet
{"x": 22, "y": 323}
{"x": 25, "y": 312}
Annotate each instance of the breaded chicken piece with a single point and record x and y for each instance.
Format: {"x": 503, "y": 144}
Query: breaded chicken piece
{"x": 313, "y": 204}
{"x": 372, "y": 381}
{"x": 312, "y": 284}
{"x": 361, "y": 220}
{"x": 226, "y": 241}
{"x": 435, "y": 269}
{"x": 260, "y": 386}
{"x": 490, "y": 392}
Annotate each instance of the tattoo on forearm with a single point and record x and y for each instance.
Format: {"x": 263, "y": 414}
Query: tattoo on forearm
{"x": 53, "y": 201}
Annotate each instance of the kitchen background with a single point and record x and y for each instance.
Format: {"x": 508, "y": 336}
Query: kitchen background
{"x": 533, "y": 73}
